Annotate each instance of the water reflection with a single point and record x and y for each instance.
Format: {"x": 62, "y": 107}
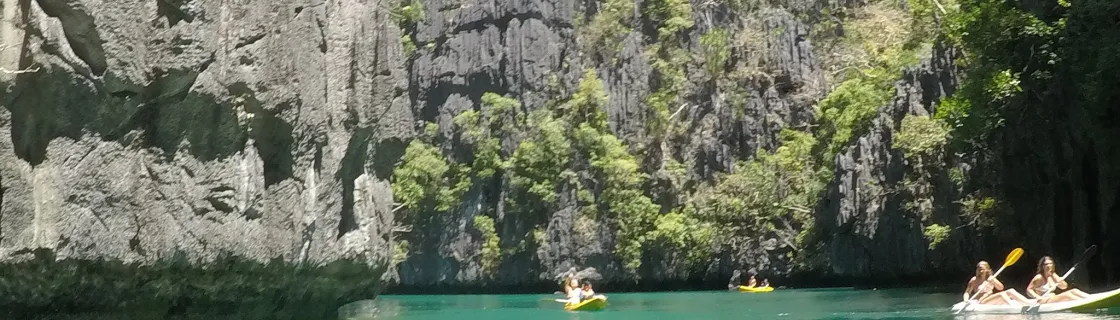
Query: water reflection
{"x": 370, "y": 309}
{"x": 393, "y": 306}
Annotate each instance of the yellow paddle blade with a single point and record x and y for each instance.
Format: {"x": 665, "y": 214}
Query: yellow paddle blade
{"x": 1013, "y": 257}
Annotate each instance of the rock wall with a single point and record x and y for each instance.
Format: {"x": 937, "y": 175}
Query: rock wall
{"x": 141, "y": 131}
{"x": 869, "y": 232}
{"x": 531, "y": 50}
{"x": 467, "y": 48}
{"x": 261, "y": 129}
{"x": 1054, "y": 160}
{"x": 270, "y": 130}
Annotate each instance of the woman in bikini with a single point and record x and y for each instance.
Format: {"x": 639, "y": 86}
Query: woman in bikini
{"x": 991, "y": 289}
{"x": 1046, "y": 279}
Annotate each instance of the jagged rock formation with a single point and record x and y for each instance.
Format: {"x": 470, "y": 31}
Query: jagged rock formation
{"x": 142, "y": 130}
{"x": 269, "y": 130}
{"x": 468, "y": 48}
{"x": 265, "y": 130}
{"x": 527, "y": 50}
{"x": 871, "y": 234}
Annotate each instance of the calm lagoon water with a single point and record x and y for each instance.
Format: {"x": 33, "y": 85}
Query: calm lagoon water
{"x": 785, "y": 304}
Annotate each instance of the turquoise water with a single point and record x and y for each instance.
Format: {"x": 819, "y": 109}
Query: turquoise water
{"x": 792, "y": 304}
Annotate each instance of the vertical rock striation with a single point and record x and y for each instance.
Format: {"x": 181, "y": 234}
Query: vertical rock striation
{"x": 153, "y": 132}
{"x": 262, "y": 130}
{"x": 868, "y": 231}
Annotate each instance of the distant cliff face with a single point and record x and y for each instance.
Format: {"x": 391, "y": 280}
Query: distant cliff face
{"x": 727, "y": 107}
{"x": 877, "y": 230}
{"x": 151, "y": 127}
{"x": 498, "y": 144}
{"x": 537, "y": 52}
{"x": 272, "y": 130}
{"x": 146, "y": 128}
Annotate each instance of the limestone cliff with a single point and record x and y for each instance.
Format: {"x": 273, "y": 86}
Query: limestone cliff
{"x": 271, "y": 130}
{"x": 659, "y": 141}
{"x": 206, "y": 128}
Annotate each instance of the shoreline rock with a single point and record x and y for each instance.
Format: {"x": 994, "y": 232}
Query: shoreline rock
{"x": 40, "y": 286}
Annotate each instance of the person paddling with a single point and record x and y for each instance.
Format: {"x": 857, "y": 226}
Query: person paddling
{"x": 1046, "y": 280}
{"x": 572, "y": 290}
{"x": 991, "y": 289}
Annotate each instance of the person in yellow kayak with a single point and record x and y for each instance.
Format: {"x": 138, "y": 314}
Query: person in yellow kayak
{"x": 991, "y": 289}
{"x": 765, "y": 283}
{"x": 1046, "y": 279}
{"x": 572, "y": 290}
{"x": 587, "y": 292}
{"x": 751, "y": 283}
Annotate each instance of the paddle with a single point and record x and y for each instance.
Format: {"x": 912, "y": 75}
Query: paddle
{"x": 1011, "y": 259}
{"x": 1084, "y": 256}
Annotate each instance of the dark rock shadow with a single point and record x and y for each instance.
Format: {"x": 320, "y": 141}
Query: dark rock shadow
{"x": 175, "y": 288}
{"x": 54, "y": 104}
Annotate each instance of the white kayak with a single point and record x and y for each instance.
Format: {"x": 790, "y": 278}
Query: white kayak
{"x": 1093, "y": 302}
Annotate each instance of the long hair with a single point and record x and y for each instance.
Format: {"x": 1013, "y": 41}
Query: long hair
{"x": 1042, "y": 263}
{"x": 987, "y": 267}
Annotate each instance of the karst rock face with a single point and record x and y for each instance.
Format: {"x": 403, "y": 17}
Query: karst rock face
{"x": 151, "y": 131}
{"x": 269, "y": 129}
{"x": 265, "y": 130}
{"x": 869, "y": 232}
{"x": 523, "y": 49}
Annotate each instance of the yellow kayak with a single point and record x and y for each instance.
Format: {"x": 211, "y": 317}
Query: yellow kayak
{"x": 755, "y": 289}
{"x": 597, "y": 302}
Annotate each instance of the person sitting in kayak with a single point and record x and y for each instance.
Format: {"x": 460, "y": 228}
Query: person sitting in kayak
{"x": 574, "y": 294}
{"x": 1046, "y": 279}
{"x": 751, "y": 282}
{"x": 765, "y": 283}
{"x": 587, "y": 293}
{"x": 991, "y": 289}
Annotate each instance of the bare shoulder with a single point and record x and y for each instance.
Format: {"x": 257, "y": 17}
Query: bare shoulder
{"x": 1037, "y": 278}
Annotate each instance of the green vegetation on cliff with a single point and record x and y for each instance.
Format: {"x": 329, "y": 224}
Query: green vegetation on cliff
{"x": 567, "y": 149}
{"x": 649, "y": 191}
{"x": 565, "y": 152}
{"x": 1034, "y": 108}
